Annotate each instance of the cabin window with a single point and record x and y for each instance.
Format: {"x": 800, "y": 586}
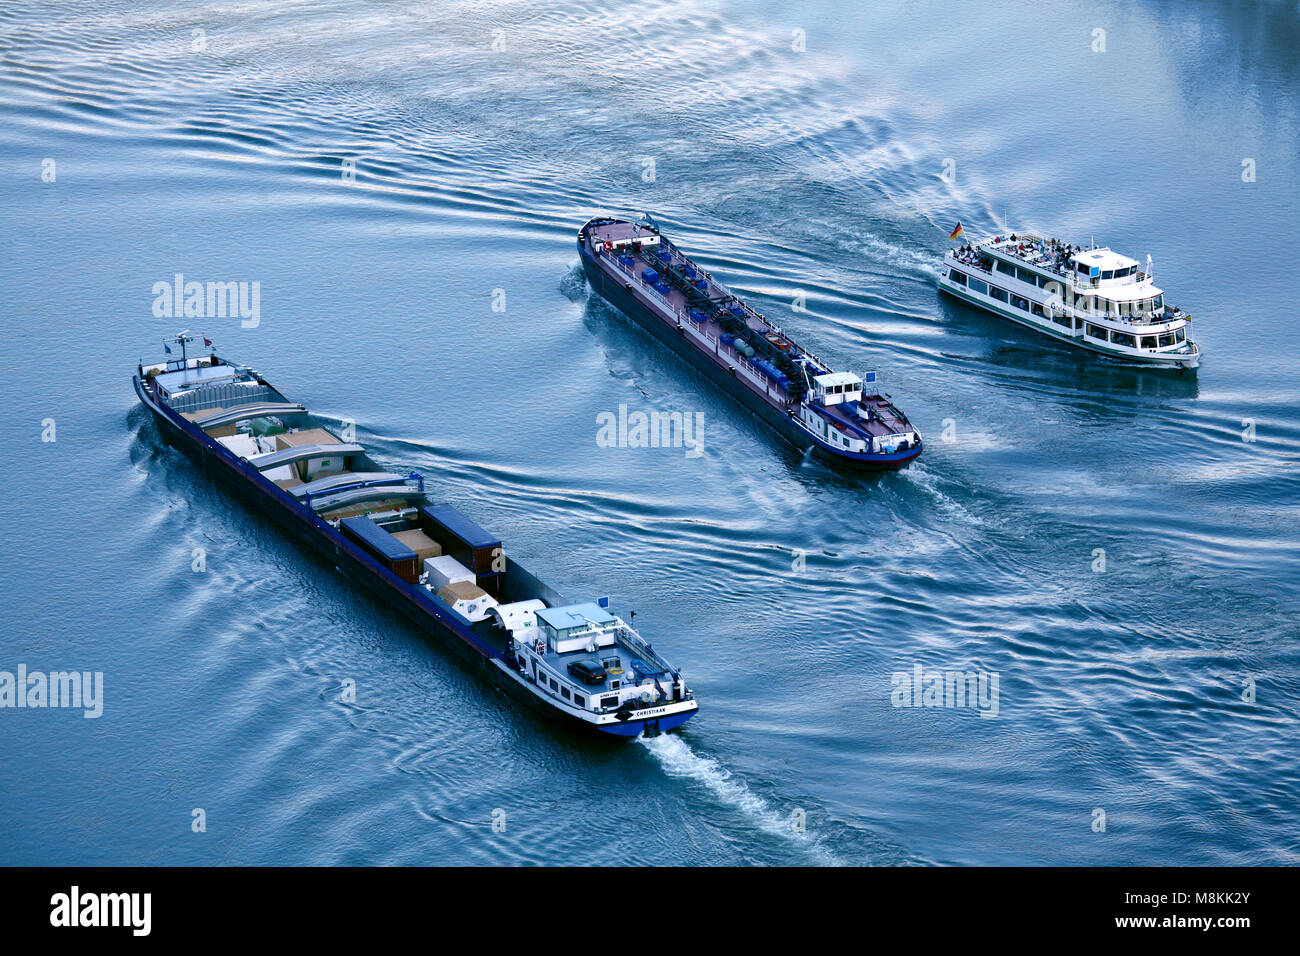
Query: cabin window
{"x": 554, "y": 684}
{"x": 609, "y": 701}
{"x": 1148, "y": 341}
{"x": 957, "y": 277}
{"x": 1024, "y": 275}
{"x": 1108, "y": 274}
{"x": 1020, "y": 303}
{"x": 564, "y": 692}
{"x": 1158, "y": 302}
{"x": 979, "y": 286}
{"x": 1122, "y": 338}
{"x": 580, "y": 700}
{"x": 1178, "y": 335}
{"x": 999, "y": 294}
{"x": 1061, "y": 320}
{"x": 1036, "y": 309}
{"x": 1166, "y": 339}
{"x": 1096, "y": 333}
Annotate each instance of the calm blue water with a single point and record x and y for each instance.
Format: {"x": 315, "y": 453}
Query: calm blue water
{"x": 819, "y": 171}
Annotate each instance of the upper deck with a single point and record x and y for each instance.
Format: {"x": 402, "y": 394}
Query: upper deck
{"x": 1099, "y": 270}
{"x": 1095, "y": 284}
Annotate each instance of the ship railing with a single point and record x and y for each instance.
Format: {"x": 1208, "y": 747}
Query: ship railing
{"x": 1156, "y": 321}
{"x": 639, "y": 644}
{"x": 647, "y": 288}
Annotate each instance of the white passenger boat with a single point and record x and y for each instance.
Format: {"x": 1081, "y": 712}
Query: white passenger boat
{"x": 1093, "y": 298}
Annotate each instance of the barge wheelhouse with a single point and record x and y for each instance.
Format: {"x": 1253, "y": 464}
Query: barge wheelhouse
{"x": 647, "y": 277}
{"x": 576, "y": 661}
{"x": 1092, "y": 298}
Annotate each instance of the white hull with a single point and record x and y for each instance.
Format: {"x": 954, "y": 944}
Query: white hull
{"x": 1082, "y": 331}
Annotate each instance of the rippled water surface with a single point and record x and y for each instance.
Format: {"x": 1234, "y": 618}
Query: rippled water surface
{"x": 211, "y": 142}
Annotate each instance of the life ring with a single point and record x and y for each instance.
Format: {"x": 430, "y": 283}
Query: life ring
{"x": 608, "y": 246}
{"x": 614, "y": 671}
{"x": 540, "y": 647}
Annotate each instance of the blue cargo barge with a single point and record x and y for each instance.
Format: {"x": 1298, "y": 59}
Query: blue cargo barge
{"x": 635, "y": 268}
{"x": 578, "y": 662}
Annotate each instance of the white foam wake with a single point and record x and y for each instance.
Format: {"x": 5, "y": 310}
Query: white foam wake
{"x": 679, "y": 760}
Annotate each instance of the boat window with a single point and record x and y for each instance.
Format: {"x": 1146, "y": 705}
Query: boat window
{"x": 1158, "y": 302}
{"x": 1178, "y": 335}
{"x": 609, "y": 701}
{"x": 1096, "y": 333}
{"x": 957, "y": 277}
{"x": 580, "y": 700}
{"x": 979, "y": 286}
{"x": 999, "y": 294}
{"x": 1108, "y": 274}
{"x": 1061, "y": 320}
{"x": 1031, "y": 277}
{"x": 564, "y": 692}
{"x": 554, "y": 684}
{"x": 1020, "y": 303}
{"x": 1148, "y": 341}
{"x": 1166, "y": 338}
{"x": 1122, "y": 338}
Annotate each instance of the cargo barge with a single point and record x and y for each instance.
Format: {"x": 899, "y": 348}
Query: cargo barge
{"x": 578, "y": 662}
{"x": 640, "y": 272}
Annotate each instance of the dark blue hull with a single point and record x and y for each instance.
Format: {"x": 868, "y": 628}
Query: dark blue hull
{"x": 625, "y": 299}
{"x": 412, "y": 601}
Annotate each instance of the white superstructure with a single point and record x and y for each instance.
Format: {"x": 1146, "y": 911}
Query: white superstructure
{"x": 1093, "y": 298}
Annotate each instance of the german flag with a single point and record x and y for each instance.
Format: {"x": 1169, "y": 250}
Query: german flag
{"x": 956, "y": 233}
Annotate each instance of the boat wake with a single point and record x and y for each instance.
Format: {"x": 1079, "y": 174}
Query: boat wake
{"x": 677, "y": 759}
{"x": 573, "y": 285}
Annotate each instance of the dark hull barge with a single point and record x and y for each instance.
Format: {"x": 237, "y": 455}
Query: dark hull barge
{"x": 577, "y": 662}
{"x": 637, "y": 270}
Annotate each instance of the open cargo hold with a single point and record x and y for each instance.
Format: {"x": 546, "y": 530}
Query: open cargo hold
{"x": 464, "y": 540}
{"x": 399, "y": 559}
